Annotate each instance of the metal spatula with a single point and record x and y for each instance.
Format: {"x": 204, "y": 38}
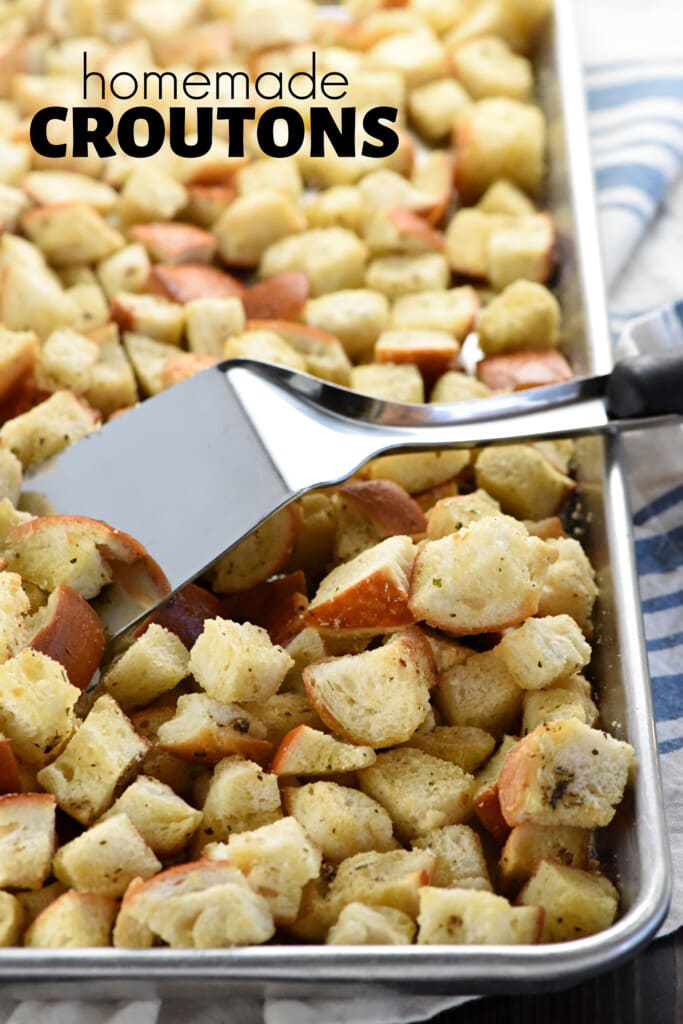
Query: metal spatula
{"x": 193, "y": 470}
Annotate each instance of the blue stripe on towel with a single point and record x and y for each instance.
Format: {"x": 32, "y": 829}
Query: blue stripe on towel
{"x": 628, "y": 208}
{"x": 667, "y": 696}
{"x": 636, "y": 122}
{"x": 604, "y": 97}
{"x": 664, "y": 643}
{"x": 644, "y": 177}
{"x": 661, "y": 553}
{"x": 662, "y": 602}
{"x": 668, "y": 746}
{"x": 661, "y": 504}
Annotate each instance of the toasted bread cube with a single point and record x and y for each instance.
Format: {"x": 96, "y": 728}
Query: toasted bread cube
{"x": 253, "y": 222}
{"x": 361, "y": 925}
{"x": 96, "y": 759}
{"x": 451, "y": 586}
{"x": 386, "y": 188}
{"x": 452, "y": 311}
{"x": 487, "y": 67}
{"x": 32, "y": 298}
{"x": 282, "y": 175}
{"x": 418, "y": 471}
{"x": 260, "y": 26}
{"x": 150, "y": 194}
{"x": 378, "y": 697}
{"x": 521, "y": 249}
{"x": 18, "y": 356}
{"x": 391, "y": 879}
{"x": 36, "y": 705}
{"x": 418, "y": 55}
{"x": 468, "y": 237}
{"x": 67, "y": 360}
{"x": 576, "y": 902}
{"x": 185, "y": 282}
{"x": 281, "y": 297}
{"x": 277, "y": 861}
{"x": 419, "y": 791}
{"x": 14, "y": 606}
{"x": 451, "y": 514}
{"x": 126, "y": 270}
{"x": 111, "y": 384}
{"x": 435, "y": 106}
{"x": 201, "y": 904}
{"x": 499, "y": 138}
{"x": 332, "y": 259}
{"x": 504, "y": 197}
{"x": 237, "y": 662}
{"x": 394, "y": 383}
{"x": 400, "y": 231}
{"x": 75, "y": 920}
{"x": 469, "y": 917}
{"x": 12, "y": 919}
{"x": 27, "y": 839}
{"x": 173, "y": 242}
{"x": 305, "y": 647}
{"x": 307, "y": 751}
{"x": 283, "y": 712}
{"x": 339, "y": 206}
{"x": 153, "y": 664}
{"x": 370, "y": 510}
{"x": 149, "y": 359}
{"x": 485, "y": 800}
{"x": 105, "y": 858}
{"x": 524, "y": 315}
{"x": 460, "y": 862}
{"x": 13, "y": 202}
{"x": 550, "y": 705}
{"x": 205, "y": 731}
{"x": 529, "y": 369}
{"x": 431, "y": 351}
{"x": 480, "y": 692}
{"x": 322, "y": 353}
{"x": 569, "y": 587}
{"x": 47, "y": 428}
{"x": 211, "y": 321}
{"x": 260, "y": 555}
{"x": 33, "y": 902}
{"x": 528, "y": 845}
{"x": 564, "y": 773}
{"x": 150, "y": 315}
{"x": 368, "y": 594}
{"x": 69, "y": 233}
{"x": 339, "y": 820}
{"x": 467, "y": 746}
{"x": 355, "y": 316}
{"x": 241, "y": 797}
{"x": 543, "y": 650}
{"x": 164, "y": 820}
{"x": 399, "y": 275}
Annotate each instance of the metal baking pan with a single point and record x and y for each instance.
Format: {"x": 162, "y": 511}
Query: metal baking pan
{"x": 634, "y": 848}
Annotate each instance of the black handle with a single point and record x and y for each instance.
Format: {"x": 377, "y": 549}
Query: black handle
{"x": 646, "y": 386}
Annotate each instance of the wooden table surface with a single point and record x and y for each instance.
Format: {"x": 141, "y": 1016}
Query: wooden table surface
{"x": 647, "y": 990}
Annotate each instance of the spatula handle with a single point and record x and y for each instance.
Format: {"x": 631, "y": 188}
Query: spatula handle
{"x": 646, "y": 386}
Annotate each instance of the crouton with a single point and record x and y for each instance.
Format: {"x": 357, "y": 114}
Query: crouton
{"x": 282, "y": 713}
{"x": 466, "y": 746}
{"x": 189, "y": 282}
{"x": 378, "y": 697}
{"x": 186, "y": 612}
{"x": 12, "y": 920}
{"x": 399, "y": 275}
{"x": 174, "y": 242}
{"x": 468, "y": 917}
{"x": 280, "y": 297}
{"x": 433, "y": 352}
{"x": 369, "y": 511}
{"x": 253, "y": 222}
{"x": 394, "y": 383}
{"x": 485, "y": 800}
{"x": 337, "y": 206}
{"x": 10, "y": 771}
{"x": 504, "y": 197}
{"x": 576, "y": 902}
{"x": 435, "y": 106}
{"x": 564, "y": 773}
{"x": 205, "y": 731}
{"x": 32, "y": 299}
{"x": 530, "y": 369}
{"x": 467, "y": 240}
{"x": 74, "y": 920}
{"x": 237, "y": 662}
{"x": 68, "y": 630}
{"x": 451, "y": 514}
{"x": 71, "y": 232}
{"x": 418, "y": 471}
{"x": 522, "y": 480}
{"x": 418, "y": 55}
{"x": 150, "y": 315}
{"x": 308, "y": 751}
{"x": 528, "y": 845}
{"x": 105, "y": 858}
{"x": 163, "y": 819}
{"x": 45, "y": 430}
{"x": 150, "y": 194}
{"x": 14, "y": 606}
{"x": 499, "y": 138}
{"x": 450, "y": 586}
{"x": 524, "y": 316}
{"x": 361, "y": 925}
{"x": 36, "y": 705}
{"x": 266, "y": 346}
{"x": 460, "y": 862}
{"x": 322, "y": 352}
{"x": 126, "y": 270}
{"x": 18, "y": 356}
{"x": 487, "y": 67}
{"x": 27, "y": 839}
{"x": 543, "y": 650}
{"x": 452, "y": 311}
{"x": 260, "y": 555}
{"x": 210, "y": 321}
{"x": 339, "y": 820}
{"x": 332, "y": 259}
{"x": 153, "y": 664}
{"x": 569, "y": 587}
{"x": 391, "y": 879}
{"x": 97, "y": 758}
{"x": 240, "y": 798}
{"x": 419, "y": 791}
{"x": 523, "y": 248}
{"x": 355, "y": 316}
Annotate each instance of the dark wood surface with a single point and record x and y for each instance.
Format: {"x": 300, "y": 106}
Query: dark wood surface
{"x": 647, "y": 990}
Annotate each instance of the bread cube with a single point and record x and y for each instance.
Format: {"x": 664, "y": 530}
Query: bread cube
{"x": 332, "y": 259}
{"x": 393, "y": 383}
{"x": 451, "y": 588}
{"x": 467, "y": 239}
{"x": 75, "y": 920}
{"x": 237, "y": 662}
{"x": 550, "y": 705}
{"x": 521, "y": 249}
{"x": 258, "y": 25}
{"x": 307, "y": 751}
{"x": 339, "y": 820}
{"x": 467, "y": 746}
{"x": 418, "y": 471}
{"x": 71, "y": 232}
{"x": 69, "y": 630}
{"x": 27, "y": 839}
{"x": 32, "y": 299}
{"x": 564, "y": 773}
{"x": 47, "y": 428}
{"x": 18, "y": 356}
{"x": 150, "y": 194}
{"x": 399, "y": 275}
{"x": 260, "y": 555}
{"x": 204, "y": 730}
{"x": 13, "y": 202}
{"x": 529, "y": 369}
{"x": 97, "y": 758}
{"x": 485, "y": 800}
{"x": 391, "y": 879}
{"x": 385, "y": 188}
{"x": 487, "y": 67}
{"x": 499, "y": 138}
{"x": 33, "y": 902}
{"x": 451, "y": 514}
{"x": 576, "y": 903}
{"x": 480, "y": 692}
{"x": 452, "y": 311}
{"x": 460, "y": 862}
{"x": 569, "y": 587}
{"x": 361, "y": 925}
{"x": 281, "y": 297}
{"x": 211, "y": 321}
{"x": 36, "y": 706}
{"x": 468, "y": 917}
{"x": 153, "y": 664}
{"x": 105, "y": 858}
{"x": 12, "y": 920}
{"x": 378, "y": 697}
{"x": 253, "y": 222}
{"x": 435, "y": 106}
{"x": 528, "y": 845}
{"x": 420, "y": 792}
{"x": 67, "y": 359}
{"x": 418, "y": 55}
{"x": 322, "y": 352}
{"x": 126, "y": 270}
{"x": 525, "y": 315}
{"x": 164, "y": 820}
{"x": 504, "y": 197}
{"x": 174, "y": 242}
{"x": 397, "y": 230}
{"x": 338, "y": 206}
{"x": 543, "y": 650}
{"x": 149, "y": 315}
{"x": 201, "y": 904}
{"x": 282, "y": 175}
{"x": 14, "y": 606}
{"x": 431, "y": 351}
{"x": 283, "y": 712}
{"x": 241, "y": 797}
{"x": 186, "y": 282}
